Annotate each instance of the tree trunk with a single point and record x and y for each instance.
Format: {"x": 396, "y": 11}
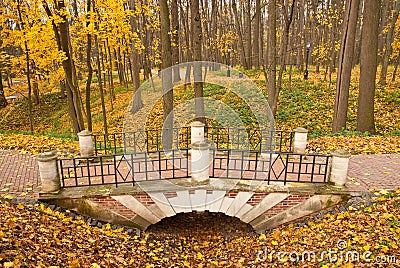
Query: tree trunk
{"x": 271, "y": 82}
{"x": 175, "y": 39}
{"x": 167, "y": 87}
{"x": 247, "y": 20}
{"x": 197, "y": 67}
{"x": 100, "y": 84}
{"x": 63, "y": 89}
{"x": 388, "y": 46}
{"x": 239, "y": 32}
{"x": 89, "y": 70}
{"x": 357, "y": 49}
{"x": 107, "y": 51}
{"x": 396, "y": 66}
{"x": 368, "y": 66}
{"x": 36, "y": 93}
{"x": 3, "y": 100}
{"x": 256, "y": 35}
{"x": 300, "y": 29}
{"x": 288, "y": 18}
{"x": 61, "y": 35}
{"x": 137, "y": 94}
{"x": 345, "y": 66}
{"x": 383, "y": 21}
{"x": 28, "y": 71}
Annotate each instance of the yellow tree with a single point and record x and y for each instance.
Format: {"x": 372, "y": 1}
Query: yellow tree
{"x": 26, "y": 37}
{"x": 57, "y": 14}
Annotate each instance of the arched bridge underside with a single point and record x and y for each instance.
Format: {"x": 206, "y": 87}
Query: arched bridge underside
{"x": 263, "y": 207}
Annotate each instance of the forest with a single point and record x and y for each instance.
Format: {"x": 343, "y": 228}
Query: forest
{"x": 81, "y": 49}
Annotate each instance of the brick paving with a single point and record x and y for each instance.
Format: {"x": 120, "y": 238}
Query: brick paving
{"x": 374, "y": 171}
{"x": 19, "y": 173}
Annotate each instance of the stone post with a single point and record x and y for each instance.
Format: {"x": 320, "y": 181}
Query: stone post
{"x": 85, "y": 143}
{"x": 196, "y": 132}
{"x": 200, "y": 162}
{"x": 48, "y": 170}
{"x": 340, "y": 164}
{"x": 300, "y": 140}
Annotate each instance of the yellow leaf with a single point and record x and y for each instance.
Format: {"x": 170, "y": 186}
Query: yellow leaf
{"x": 274, "y": 242}
{"x": 8, "y": 264}
{"x": 393, "y": 245}
{"x": 366, "y": 247}
{"x": 383, "y": 192}
{"x": 74, "y": 263}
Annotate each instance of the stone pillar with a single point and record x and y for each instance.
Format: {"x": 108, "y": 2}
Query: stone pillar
{"x": 196, "y": 132}
{"x": 48, "y": 170}
{"x": 85, "y": 143}
{"x": 340, "y": 164}
{"x": 200, "y": 162}
{"x": 300, "y": 140}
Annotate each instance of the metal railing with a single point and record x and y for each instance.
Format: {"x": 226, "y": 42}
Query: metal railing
{"x": 222, "y": 138}
{"x": 122, "y": 168}
{"x": 139, "y": 141}
{"x": 174, "y": 164}
{"x": 235, "y": 153}
{"x": 270, "y": 167}
{"x": 250, "y": 139}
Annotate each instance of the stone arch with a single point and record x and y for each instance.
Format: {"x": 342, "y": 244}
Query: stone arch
{"x": 262, "y": 210}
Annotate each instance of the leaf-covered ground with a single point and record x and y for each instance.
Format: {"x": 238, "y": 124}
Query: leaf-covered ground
{"x": 355, "y": 144}
{"x": 37, "y": 144}
{"x": 35, "y": 236}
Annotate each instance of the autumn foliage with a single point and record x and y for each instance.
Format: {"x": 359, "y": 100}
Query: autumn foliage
{"x": 36, "y": 236}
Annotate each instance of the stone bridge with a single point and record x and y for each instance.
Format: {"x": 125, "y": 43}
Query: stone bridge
{"x": 264, "y": 178}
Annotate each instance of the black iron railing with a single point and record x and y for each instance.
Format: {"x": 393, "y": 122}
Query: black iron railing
{"x": 270, "y": 167}
{"x": 174, "y": 164}
{"x": 250, "y": 139}
{"x": 123, "y": 168}
{"x": 222, "y": 138}
{"x": 139, "y": 141}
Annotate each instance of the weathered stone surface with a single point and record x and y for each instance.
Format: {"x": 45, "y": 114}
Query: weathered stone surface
{"x": 134, "y": 205}
{"x": 313, "y": 204}
{"x": 237, "y": 204}
{"x": 268, "y": 202}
